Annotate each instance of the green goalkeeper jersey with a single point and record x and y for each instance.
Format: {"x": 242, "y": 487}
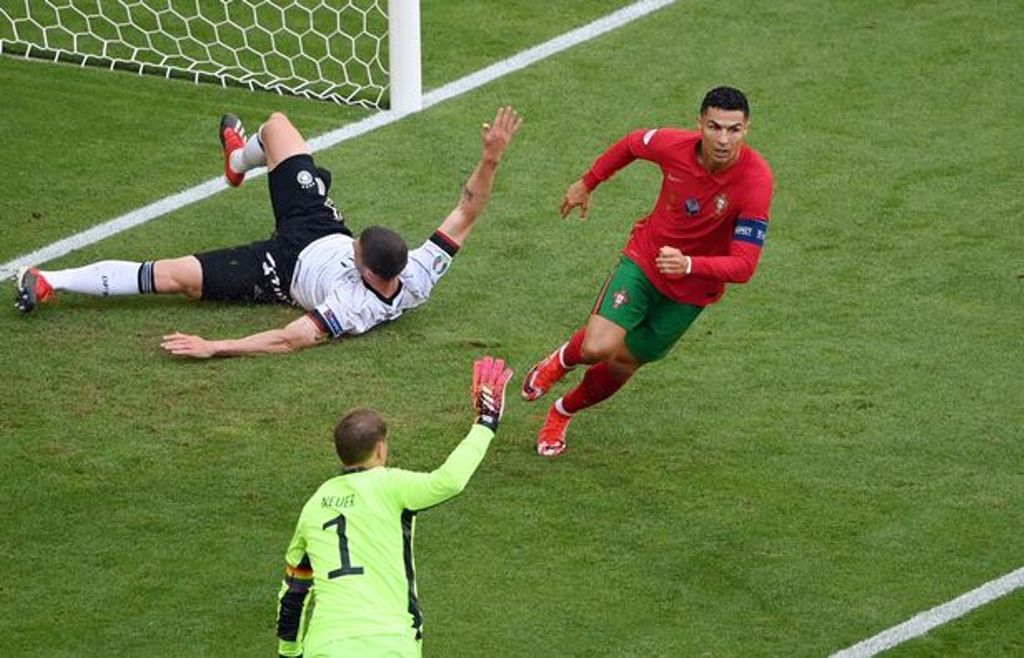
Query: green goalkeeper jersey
{"x": 354, "y": 544}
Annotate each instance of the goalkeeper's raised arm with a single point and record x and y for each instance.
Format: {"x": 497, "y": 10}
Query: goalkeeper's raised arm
{"x": 422, "y": 490}
{"x": 353, "y": 544}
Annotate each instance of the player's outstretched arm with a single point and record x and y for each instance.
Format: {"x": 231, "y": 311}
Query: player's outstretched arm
{"x": 576, "y": 196}
{"x": 296, "y": 335}
{"x": 423, "y": 490}
{"x": 476, "y": 193}
{"x": 636, "y": 144}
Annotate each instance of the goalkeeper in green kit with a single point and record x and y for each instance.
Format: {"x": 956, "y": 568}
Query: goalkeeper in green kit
{"x": 352, "y": 550}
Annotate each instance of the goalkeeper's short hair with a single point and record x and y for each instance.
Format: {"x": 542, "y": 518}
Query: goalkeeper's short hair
{"x": 357, "y": 434}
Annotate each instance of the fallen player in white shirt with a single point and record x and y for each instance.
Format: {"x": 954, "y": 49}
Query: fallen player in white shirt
{"x": 347, "y": 285}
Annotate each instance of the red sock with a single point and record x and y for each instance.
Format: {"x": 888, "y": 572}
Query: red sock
{"x": 572, "y": 351}
{"x": 599, "y": 383}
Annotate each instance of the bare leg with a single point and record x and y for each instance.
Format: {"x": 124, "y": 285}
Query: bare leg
{"x": 281, "y": 140}
{"x": 179, "y": 275}
{"x": 603, "y": 341}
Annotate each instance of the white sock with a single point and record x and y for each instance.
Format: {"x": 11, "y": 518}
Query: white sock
{"x": 251, "y": 156}
{"x": 107, "y": 277}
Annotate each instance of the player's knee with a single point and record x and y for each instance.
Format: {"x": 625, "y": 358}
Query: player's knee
{"x": 278, "y": 118}
{"x": 281, "y": 140}
{"x": 276, "y": 125}
{"x": 598, "y": 348}
{"x": 179, "y": 275}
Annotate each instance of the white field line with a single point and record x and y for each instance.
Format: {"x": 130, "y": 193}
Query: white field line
{"x": 925, "y": 621}
{"x": 451, "y": 90}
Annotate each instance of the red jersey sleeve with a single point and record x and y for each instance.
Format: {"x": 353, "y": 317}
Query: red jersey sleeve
{"x": 758, "y": 201}
{"x": 748, "y": 237}
{"x": 637, "y": 144}
{"x": 737, "y": 267}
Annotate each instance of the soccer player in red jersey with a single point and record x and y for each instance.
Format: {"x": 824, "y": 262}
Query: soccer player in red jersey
{"x": 706, "y": 229}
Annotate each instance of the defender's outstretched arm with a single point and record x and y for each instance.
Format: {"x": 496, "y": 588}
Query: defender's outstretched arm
{"x": 294, "y": 336}
{"x": 476, "y": 193}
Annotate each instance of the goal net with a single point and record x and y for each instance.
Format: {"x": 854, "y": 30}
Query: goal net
{"x": 324, "y": 49}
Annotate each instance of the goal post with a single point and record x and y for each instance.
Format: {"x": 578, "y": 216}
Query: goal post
{"x": 404, "y": 55}
{"x": 324, "y": 49}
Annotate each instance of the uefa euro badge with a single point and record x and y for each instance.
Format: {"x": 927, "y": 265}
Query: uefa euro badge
{"x": 619, "y": 299}
{"x": 721, "y": 203}
{"x": 692, "y": 207}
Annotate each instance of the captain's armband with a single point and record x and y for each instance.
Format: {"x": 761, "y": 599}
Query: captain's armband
{"x": 753, "y": 231}
{"x": 299, "y": 578}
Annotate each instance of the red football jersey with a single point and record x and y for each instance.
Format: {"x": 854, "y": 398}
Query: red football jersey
{"x": 719, "y": 220}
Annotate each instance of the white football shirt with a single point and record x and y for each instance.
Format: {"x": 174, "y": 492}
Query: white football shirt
{"x": 327, "y": 284}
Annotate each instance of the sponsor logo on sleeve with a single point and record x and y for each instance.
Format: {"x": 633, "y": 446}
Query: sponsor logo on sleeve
{"x": 332, "y": 322}
{"x": 440, "y": 264}
{"x": 753, "y": 231}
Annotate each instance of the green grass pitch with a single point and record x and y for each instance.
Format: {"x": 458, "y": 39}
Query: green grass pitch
{"x": 835, "y": 447}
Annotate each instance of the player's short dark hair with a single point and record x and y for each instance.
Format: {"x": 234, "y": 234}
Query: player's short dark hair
{"x": 383, "y": 251}
{"x": 357, "y": 434}
{"x": 726, "y": 98}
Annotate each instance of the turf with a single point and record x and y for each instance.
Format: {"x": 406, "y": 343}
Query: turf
{"x": 832, "y": 449}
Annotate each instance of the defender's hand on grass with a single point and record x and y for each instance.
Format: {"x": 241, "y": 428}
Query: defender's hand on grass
{"x": 498, "y": 135}
{"x": 490, "y": 376}
{"x": 576, "y": 195}
{"x": 194, "y": 347}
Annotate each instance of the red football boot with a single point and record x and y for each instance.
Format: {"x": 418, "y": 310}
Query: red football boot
{"x": 33, "y": 289}
{"x": 543, "y": 376}
{"x": 551, "y": 438}
{"x": 232, "y": 138}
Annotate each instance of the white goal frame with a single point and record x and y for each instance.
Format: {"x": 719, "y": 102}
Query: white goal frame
{"x": 404, "y": 56}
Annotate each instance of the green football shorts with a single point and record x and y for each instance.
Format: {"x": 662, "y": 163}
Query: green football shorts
{"x": 653, "y": 322}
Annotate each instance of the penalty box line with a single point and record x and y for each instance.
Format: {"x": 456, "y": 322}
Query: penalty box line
{"x": 925, "y": 621}
{"x": 451, "y": 90}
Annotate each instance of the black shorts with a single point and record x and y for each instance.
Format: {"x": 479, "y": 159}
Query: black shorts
{"x": 262, "y": 271}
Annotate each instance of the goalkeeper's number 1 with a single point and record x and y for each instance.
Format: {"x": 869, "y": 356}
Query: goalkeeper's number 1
{"x": 346, "y": 568}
